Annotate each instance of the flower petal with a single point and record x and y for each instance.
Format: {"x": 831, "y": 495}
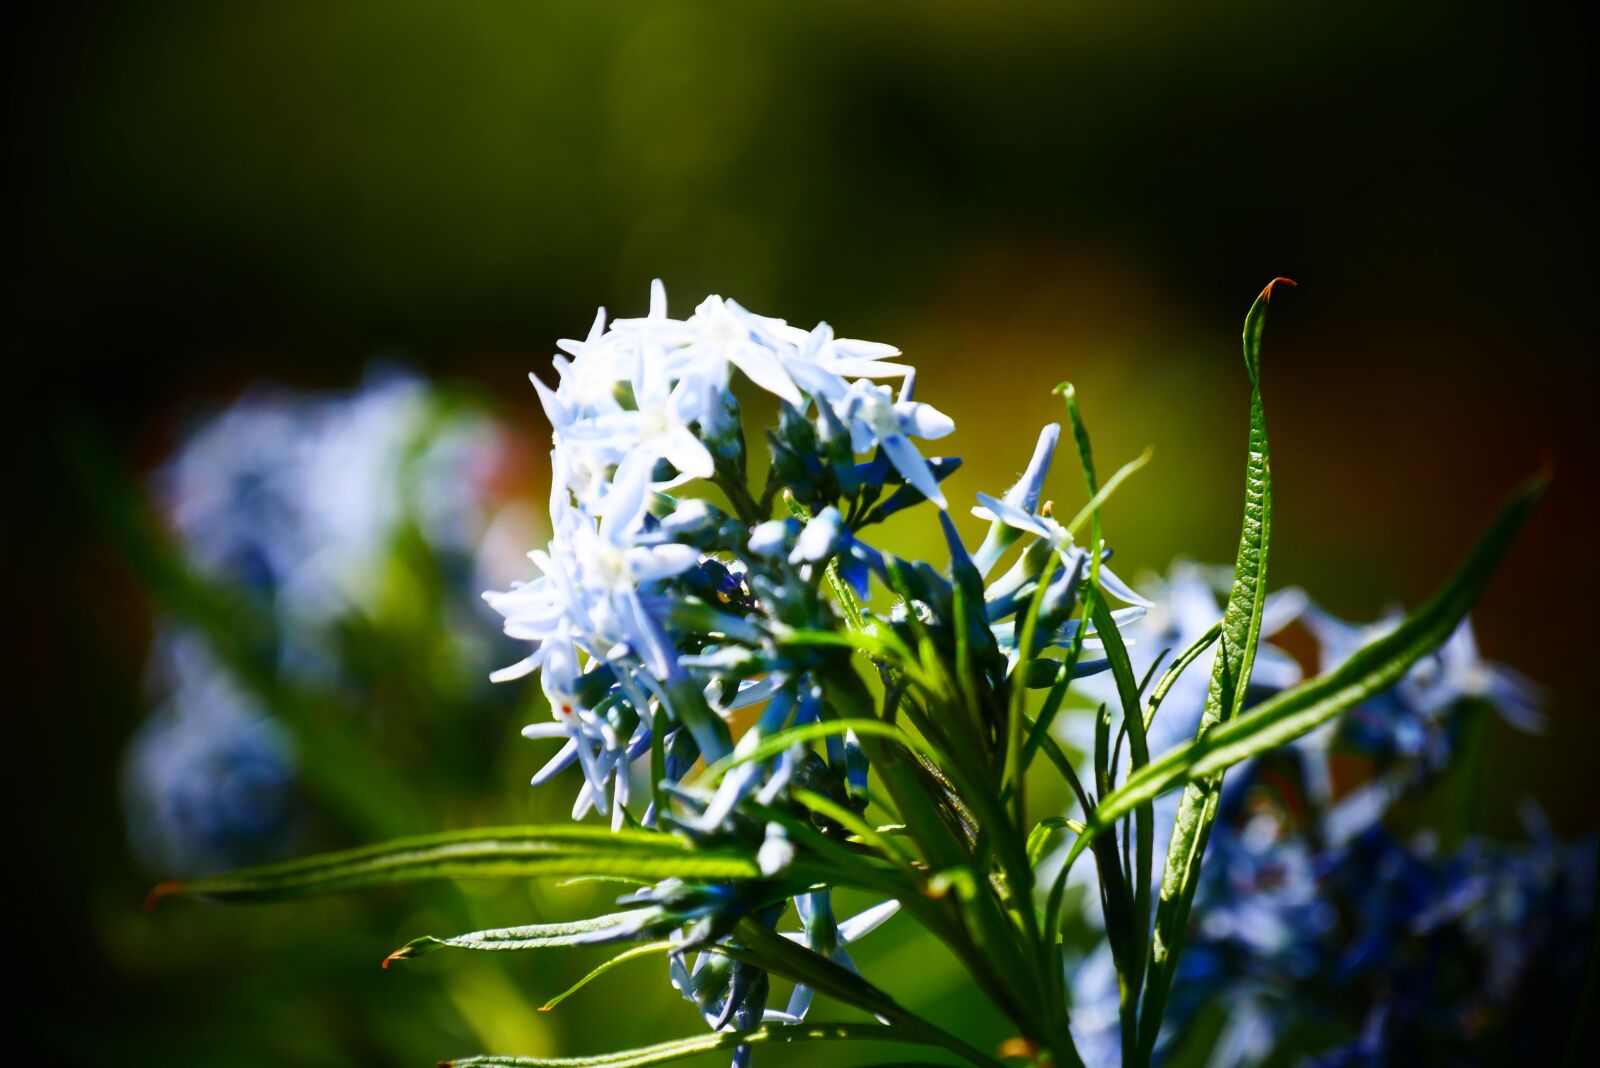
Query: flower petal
{"x": 765, "y": 370}
{"x": 909, "y": 462}
{"x": 1011, "y": 515}
{"x": 923, "y": 420}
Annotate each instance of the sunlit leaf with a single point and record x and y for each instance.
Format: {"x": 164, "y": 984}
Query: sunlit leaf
{"x": 494, "y": 852}
{"x": 532, "y": 936}
{"x": 646, "y": 949}
{"x": 1294, "y": 712}
{"x": 1230, "y": 678}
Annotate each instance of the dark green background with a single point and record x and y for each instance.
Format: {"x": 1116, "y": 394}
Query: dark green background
{"x": 1015, "y": 193}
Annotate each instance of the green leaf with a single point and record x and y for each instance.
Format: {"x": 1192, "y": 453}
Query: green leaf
{"x": 1016, "y": 748}
{"x": 533, "y": 936}
{"x": 879, "y": 643}
{"x": 644, "y": 950}
{"x": 1230, "y": 678}
{"x": 493, "y": 852}
{"x": 1039, "y": 837}
{"x": 1288, "y": 715}
{"x": 842, "y": 593}
{"x": 851, "y": 821}
{"x": 766, "y": 1035}
{"x": 1121, "y": 475}
{"x": 765, "y": 948}
{"x": 1179, "y": 666}
{"x": 1138, "y": 933}
{"x": 1373, "y": 669}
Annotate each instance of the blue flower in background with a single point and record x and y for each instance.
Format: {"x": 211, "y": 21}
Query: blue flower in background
{"x": 1409, "y": 721}
{"x": 306, "y": 505}
{"x": 209, "y": 780}
{"x": 1312, "y": 917}
{"x": 298, "y": 496}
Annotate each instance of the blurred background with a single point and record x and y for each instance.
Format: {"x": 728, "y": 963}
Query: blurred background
{"x": 390, "y": 211}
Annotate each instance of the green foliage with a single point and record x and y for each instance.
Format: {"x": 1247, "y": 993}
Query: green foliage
{"x": 482, "y": 853}
{"x": 532, "y": 936}
{"x": 766, "y": 1035}
{"x": 945, "y": 726}
{"x": 1302, "y": 708}
{"x": 1230, "y": 678}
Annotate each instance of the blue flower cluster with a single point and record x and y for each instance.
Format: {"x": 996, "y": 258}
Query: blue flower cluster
{"x": 670, "y": 600}
{"x": 1315, "y": 916}
{"x": 299, "y": 506}
{"x": 209, "y": 778}
{"x": 1412, "y": 952}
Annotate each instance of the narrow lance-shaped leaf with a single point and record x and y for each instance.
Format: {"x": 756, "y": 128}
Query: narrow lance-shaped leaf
{"x": 532, "y": 936}
{"x": 1230, "y": 678}
{"x": 1039, "y": 837}
{"x": 1295, "y": 712}
{"x": 645, "y": 949}
{"x": 1179, "y": 666}
{"x": 1144, "y": 816}
{"x": 494, "y": 852}
{"x": 1126, "y": 910}
{"x": 928, "y": 802}
{"x": 1372, "y": 670}
{"x": 767, "y": 1035}
{"x": 779, "y": 741}
{"x": 765, "y": 948}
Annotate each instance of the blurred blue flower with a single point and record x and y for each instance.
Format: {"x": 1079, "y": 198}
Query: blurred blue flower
{"x": 307, "y": 505}
{"x": 209, "y": 779}
{"x": 1311, "y": 916}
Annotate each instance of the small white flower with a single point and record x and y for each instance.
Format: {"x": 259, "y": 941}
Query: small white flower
{"x": 724, "y": 335}
{"x": 876, "y": 419}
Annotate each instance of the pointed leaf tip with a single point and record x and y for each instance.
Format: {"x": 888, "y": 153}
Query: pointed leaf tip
{"x": 1266, "y": 294}
{"x": 160, "y": 892}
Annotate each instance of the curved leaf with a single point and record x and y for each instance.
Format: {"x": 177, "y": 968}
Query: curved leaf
{"x": 1121, "y": 475}
{"x": 1039, "y": 837}
{"x": 1230, "y": 678}
{"x": 644, "y": 949}
{"x": 1296, "y": 711}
